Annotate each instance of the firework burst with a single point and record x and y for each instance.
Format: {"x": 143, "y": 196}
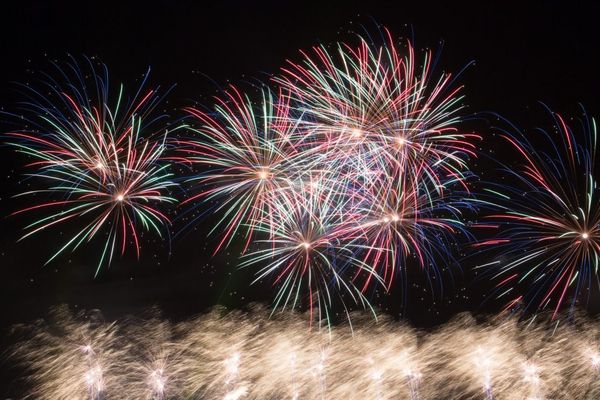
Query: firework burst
{"x": 249, "y": 152}
{"x": 550, "y": 224}
{"x": 307, "y": 250}
{"x": 406, "y": 221}
{"x": 99, "y": 163}
{"x": 252, "y": 355}
{"x": 378, "y": 109}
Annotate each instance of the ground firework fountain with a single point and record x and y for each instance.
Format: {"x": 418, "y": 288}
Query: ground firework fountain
{"x": 288, "y": 359}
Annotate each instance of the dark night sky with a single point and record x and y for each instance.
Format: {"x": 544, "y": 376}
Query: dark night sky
{"x": 522, "y": 54}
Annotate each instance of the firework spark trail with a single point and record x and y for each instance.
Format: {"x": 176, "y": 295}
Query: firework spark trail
{"x": 249, "y": 356}
{"x": 100, "y": 162}
{"x": 412, "y": 381}
{"x": 549, "y": 220}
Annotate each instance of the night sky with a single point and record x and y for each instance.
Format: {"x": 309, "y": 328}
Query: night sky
{"x": 521, "y": 54}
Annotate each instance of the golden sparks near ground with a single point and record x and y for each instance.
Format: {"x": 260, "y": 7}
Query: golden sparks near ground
{"x": 250, "y": 356}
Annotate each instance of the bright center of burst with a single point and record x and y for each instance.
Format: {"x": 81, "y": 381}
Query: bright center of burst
{"x": 585, "y": 235}
{"x": 401, "y": 141}
{"x": 391, "y": 218}
{"x": 306, "y": 245}
{"x": 356, "y": 132}
{"x": 120, "y": 197}
{"x": 263, "y": 175}
{"x": 100, "y": 165}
